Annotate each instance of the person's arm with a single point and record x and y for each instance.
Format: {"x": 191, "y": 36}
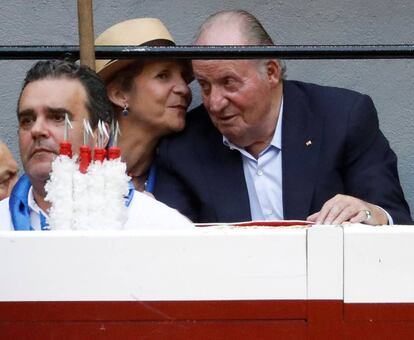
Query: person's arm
{"x": 370, "y": 175}
{"x": 170, "y": 187}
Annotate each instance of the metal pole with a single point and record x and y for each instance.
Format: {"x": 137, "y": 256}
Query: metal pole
{"x": 86, "y": 33}
{"x": 35, "y": 52}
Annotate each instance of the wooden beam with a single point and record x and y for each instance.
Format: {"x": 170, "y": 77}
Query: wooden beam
{"x": 86, "y": 33}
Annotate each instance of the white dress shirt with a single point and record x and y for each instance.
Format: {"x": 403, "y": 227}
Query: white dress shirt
{"x": 264, "y": 176}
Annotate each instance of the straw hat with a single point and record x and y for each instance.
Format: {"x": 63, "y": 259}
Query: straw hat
{"x": 138, "y": 32}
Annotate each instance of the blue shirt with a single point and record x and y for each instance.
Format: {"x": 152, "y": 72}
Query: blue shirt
{"x": 264, "y": 176}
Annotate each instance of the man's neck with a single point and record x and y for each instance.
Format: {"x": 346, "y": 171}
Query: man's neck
{"x": 138, "y": 147}
{"x": 256, "y": 148}
{"x": 269, "y": 126}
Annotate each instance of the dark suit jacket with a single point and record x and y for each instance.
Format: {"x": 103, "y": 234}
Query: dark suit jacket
{"x": 202, "y": 178}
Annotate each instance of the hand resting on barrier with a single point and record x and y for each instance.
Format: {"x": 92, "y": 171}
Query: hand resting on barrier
{"x": 344, "y": 208}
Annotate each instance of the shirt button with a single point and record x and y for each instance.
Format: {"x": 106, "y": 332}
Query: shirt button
{"x": 259, "y": 172}
{"x": 269, "y": 212}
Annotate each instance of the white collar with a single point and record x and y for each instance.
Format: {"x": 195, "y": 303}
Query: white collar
{"x": 33, "y": 205}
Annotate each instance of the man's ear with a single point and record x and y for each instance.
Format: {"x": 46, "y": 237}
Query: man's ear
{"x": 274, "y": 71}
{"x": 116, "y": 95}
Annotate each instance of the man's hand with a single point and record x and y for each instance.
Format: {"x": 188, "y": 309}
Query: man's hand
{"x": 343, "y": 208}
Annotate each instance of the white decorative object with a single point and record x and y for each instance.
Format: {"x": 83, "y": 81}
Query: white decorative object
{"x": 59, "y": 190}
{"x": 91, "y": 201}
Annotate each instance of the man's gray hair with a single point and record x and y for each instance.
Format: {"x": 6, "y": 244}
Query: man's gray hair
{"x": 254, "y": 32}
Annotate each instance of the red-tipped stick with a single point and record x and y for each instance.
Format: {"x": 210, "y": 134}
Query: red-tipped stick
{"x": 99, "y": 154}
{"x": 114, "y": 151}
{"x": 65, "y": 147}
{"x": 85, "y": 154}
{"x": 85, "y": 157}
{"x": 99, "y": 151}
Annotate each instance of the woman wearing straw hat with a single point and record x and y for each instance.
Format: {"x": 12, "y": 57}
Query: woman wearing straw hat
{"x": 150, "y": 97}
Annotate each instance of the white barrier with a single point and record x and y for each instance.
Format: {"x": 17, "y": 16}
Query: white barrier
{"x": 355, "y": 263}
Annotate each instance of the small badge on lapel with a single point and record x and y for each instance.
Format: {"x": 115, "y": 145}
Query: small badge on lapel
{"x": 308, "y": 143}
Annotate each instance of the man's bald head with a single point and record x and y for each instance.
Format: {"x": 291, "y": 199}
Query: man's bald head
{"x": 8, "y": 171}
{"x": 234, "y": 27}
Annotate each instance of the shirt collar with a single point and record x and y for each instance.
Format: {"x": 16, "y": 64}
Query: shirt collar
{"x": 277, "y": 136}
{"x": 33, "y": 205}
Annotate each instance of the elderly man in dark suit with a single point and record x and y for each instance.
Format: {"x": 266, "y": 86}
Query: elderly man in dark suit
{"x": 262, "y": 147}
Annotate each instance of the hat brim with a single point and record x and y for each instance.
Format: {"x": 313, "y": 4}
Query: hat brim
{"x": 111, "y": 67}
{"x": 115, "y": 66}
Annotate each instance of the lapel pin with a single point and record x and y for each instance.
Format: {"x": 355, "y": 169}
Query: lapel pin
{"x": 308, "y": 143}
